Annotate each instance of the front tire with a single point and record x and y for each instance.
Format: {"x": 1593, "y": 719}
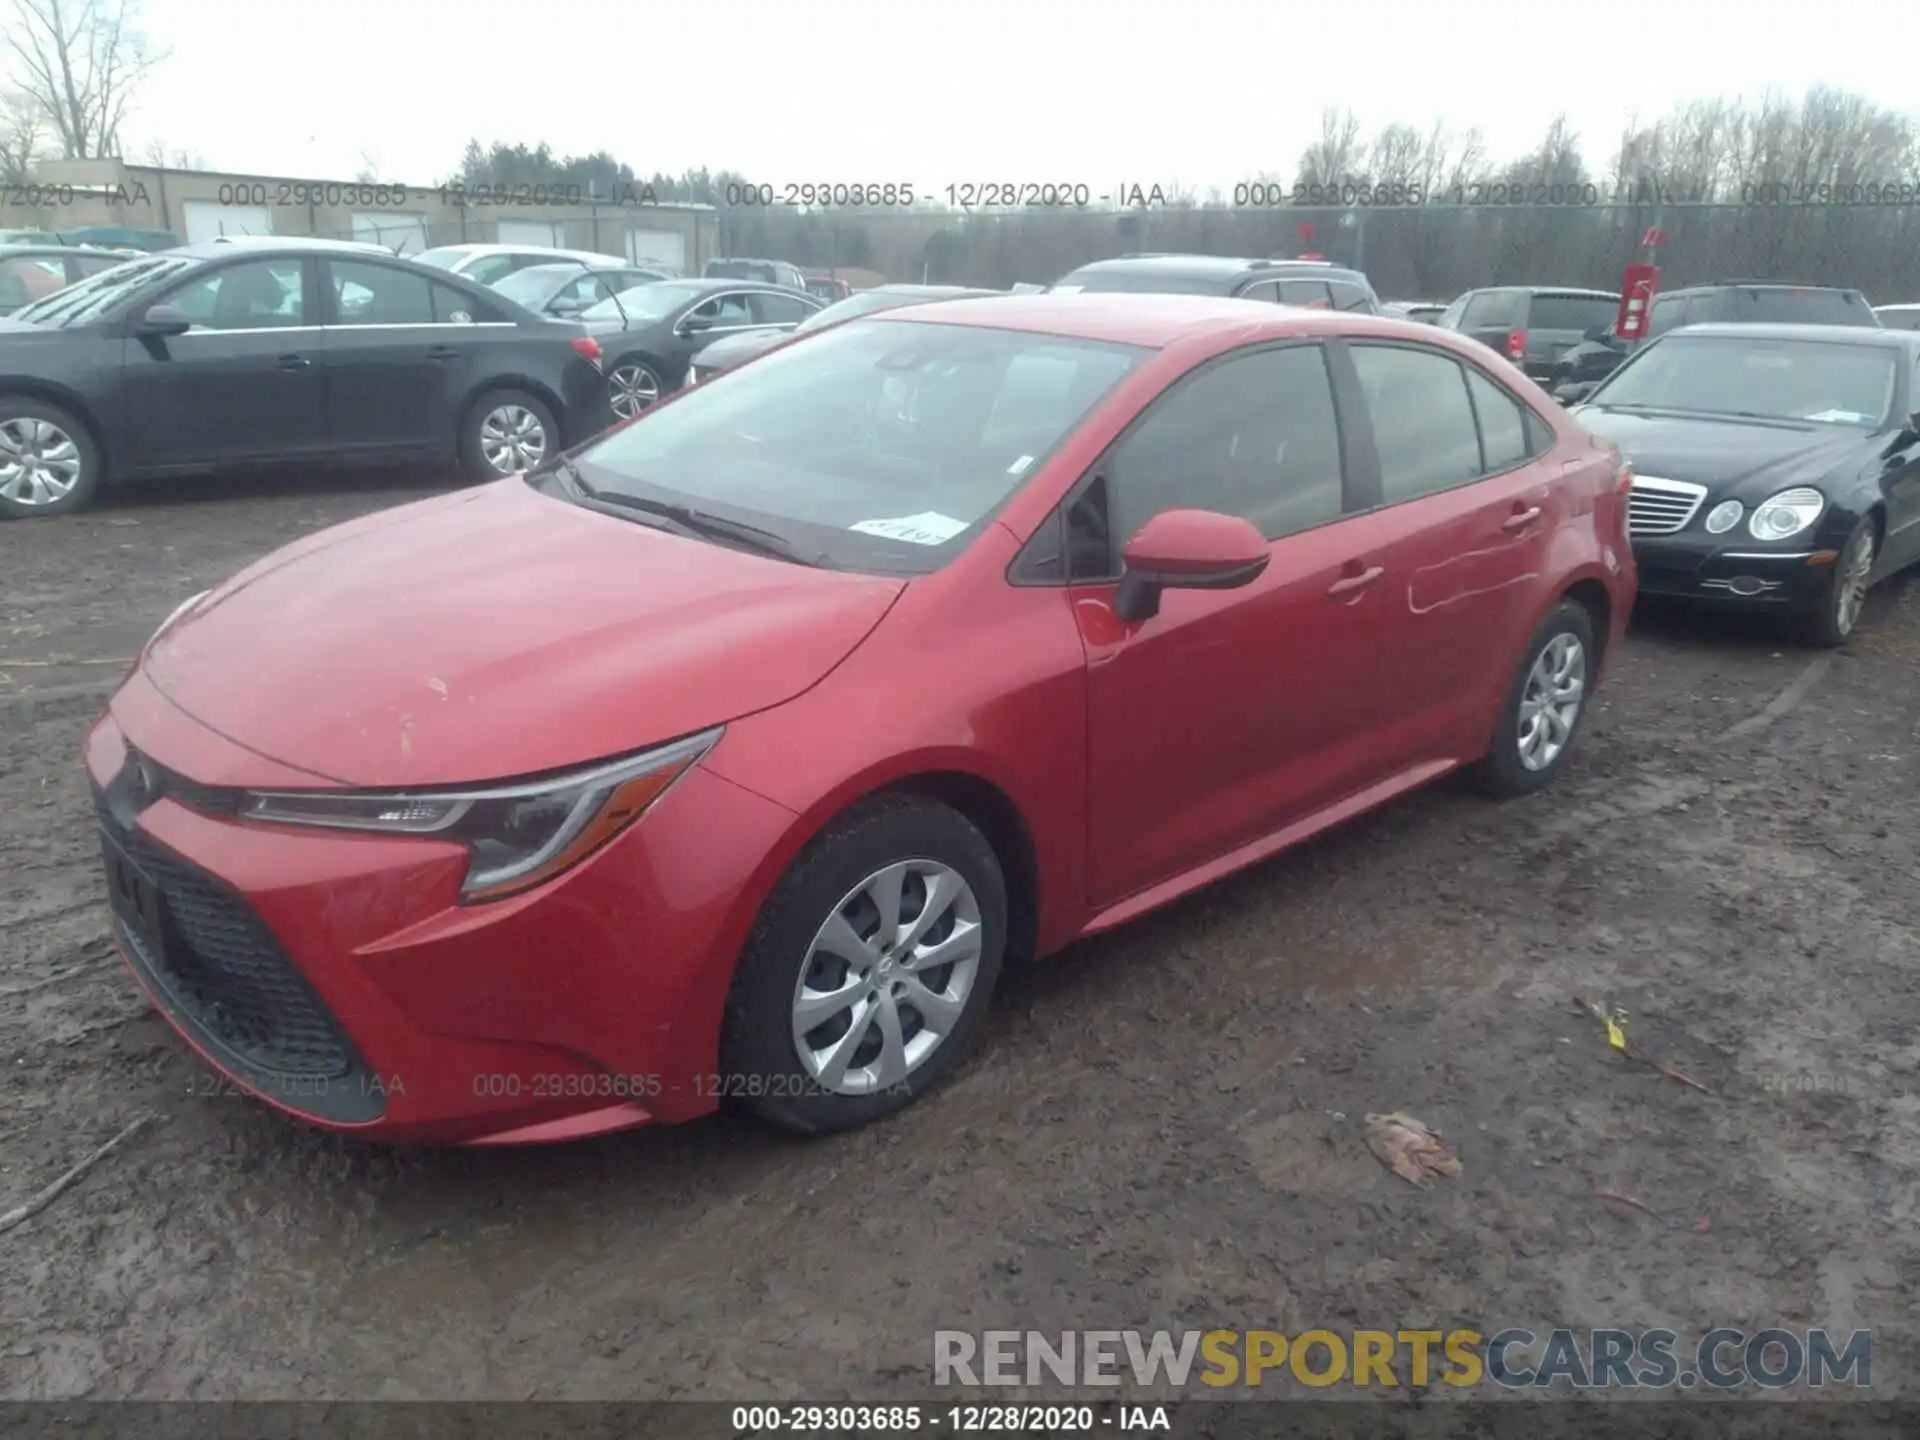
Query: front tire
{"x": 507, "y": 432}
{"x": 49, "y": 463}
{"x": 1839, "y": 611}
{"x": 1541, "y": 715}
{"x": 867, "y": 977}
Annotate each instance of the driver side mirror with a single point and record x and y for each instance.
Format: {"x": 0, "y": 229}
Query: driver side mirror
{"x": 1574, "y": 391}
{"x": 566, "y": 306}
{"x": 163, "y": 320}
{"x": 693, "y": 324}
{"x": 1187, "y": 550}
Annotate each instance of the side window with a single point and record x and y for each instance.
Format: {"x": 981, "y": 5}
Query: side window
{"x": 780, "y": 309}
{"x": 23, "y": 281}
{"x": 1310, "y": 293}
{"x": 1492, "y": 309}
{"x": 378, "y": 295}
{"x": 454, "y": 307}
{"x": 1267, "y": 290}
{"x": 1352, "y": 298}
{"x": 254, "y": 295}
{"x": 1253, "y": 436}
{"x": 1504, "y": 440}
{"x": 588, "y": 289}
{"x": 1666, "y": 315}
{"x": 94, "y": 264}
{"x": 1422, "y": 420}
{"x": 724, "y": 312}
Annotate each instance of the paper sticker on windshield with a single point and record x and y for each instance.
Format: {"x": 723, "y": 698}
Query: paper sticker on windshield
{"x": 1019, "y": 467}
{"x": 1842, "y": 417}
{"x": 927, "y": 528}
{"x": 461, "y": 317}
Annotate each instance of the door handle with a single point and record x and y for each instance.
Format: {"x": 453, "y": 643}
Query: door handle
{"x": 442, "y": 352}
{"x": 1353, "y": 584}
{"x": 1521, "y": 519}
{"x": 295, "y": 362}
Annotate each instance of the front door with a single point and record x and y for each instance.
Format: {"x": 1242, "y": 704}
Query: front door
{"x": 1229, "y": 712}
{"x": 244, "y": 384}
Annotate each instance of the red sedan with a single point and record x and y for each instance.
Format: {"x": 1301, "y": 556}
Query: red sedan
{"x": 732, "y": 757}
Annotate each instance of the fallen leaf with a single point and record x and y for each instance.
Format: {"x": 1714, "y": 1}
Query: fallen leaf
{"x": 1409, "y": 1148}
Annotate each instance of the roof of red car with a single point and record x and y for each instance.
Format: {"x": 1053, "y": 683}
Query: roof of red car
{"x": 1149, "y": 320}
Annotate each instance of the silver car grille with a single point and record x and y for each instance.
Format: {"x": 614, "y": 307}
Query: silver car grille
{"x": 1661, "y": 507}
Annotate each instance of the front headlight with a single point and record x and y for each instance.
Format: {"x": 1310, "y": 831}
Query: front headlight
{"x": 517, "y": 836}
{"x": 1787, "y": 513}
{"x": 1724, "y": 516}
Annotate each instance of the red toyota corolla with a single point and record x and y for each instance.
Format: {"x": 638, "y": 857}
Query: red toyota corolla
{"x": 732, "y": 758}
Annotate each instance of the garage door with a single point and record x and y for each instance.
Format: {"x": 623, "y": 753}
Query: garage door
{"x": 207, "y": 220}
{"x": 657, "y": 247}
{"x": 531, "y": 232}
{"x": 403, "y": 233}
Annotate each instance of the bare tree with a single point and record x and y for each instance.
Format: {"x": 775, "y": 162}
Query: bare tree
{"x": 1336, "y": 154}
{"x": 82, "y": 60}
{"x": 161, "y": 156}
{"x": 21, "y": 133}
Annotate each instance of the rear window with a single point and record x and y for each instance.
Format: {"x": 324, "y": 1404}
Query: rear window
{"x": 1138, "y": 282}
{"x": 1491, "y": 309}
{"x": 1800, "y": 307}
{"x": 1571, "y": 312}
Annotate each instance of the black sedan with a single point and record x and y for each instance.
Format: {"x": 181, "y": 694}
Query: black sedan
{"x": 649, "y": 334}
{"x": 1777, "y": 467}
{"x": 732, "y": 350}
{"x": 227, "y": 355}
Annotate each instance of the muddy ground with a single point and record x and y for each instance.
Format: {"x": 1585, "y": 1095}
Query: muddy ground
{"x": 1163, "y": 1130}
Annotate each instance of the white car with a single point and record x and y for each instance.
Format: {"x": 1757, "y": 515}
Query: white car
{"x": 1899, "y": 317}
{"x": 484, "y": 264}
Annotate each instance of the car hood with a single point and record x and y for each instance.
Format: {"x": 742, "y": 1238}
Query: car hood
{"x": 1734, "y": 459}
{"x": 732, "y": 350}
{"x": 499, "y": 633}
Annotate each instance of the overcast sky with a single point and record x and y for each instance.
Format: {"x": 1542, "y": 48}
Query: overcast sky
{"x": 938, "y": 92}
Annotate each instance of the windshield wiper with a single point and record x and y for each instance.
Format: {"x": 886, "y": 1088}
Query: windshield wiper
{"x": 697, "y": 523}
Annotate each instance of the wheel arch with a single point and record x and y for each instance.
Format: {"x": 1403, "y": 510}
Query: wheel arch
{"x": 495, "y": 385}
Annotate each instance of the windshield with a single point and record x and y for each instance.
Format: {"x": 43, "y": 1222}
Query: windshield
{"x": 880, "y": 444}
{"x": 868, "y": 302}
{"x": 445, "y": 258}
{"x": 654, "y": 300}
{"x": 91, "y": 298}
{"x": 1776, "y": 379}
{"x": 535, "y": 285}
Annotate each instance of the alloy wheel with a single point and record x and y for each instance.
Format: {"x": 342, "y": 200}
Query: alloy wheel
{"x": 1550, "y": 700}
{"x": 887, "y": 977}
{"x": 39, "y": 462}
{"x": 1850, "y": 589}
{"x": 632, "y": 388}
{"x": 512, "y": 439}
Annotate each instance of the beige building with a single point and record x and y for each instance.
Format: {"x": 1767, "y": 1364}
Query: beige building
{"x": 201, "y": 204}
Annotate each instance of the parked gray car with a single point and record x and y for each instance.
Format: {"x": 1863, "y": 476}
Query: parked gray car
{"x": 1532, "y": 325}
{"x": 648, "y": 335}
{"x": 732, "y": 350}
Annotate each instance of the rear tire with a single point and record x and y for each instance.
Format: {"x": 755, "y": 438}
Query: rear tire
{"x": 506, "y": 432}
{"x": 918, "y": 1006}
{"x": 49, "y": 463}
{"x": 1830, "y": 626}
{"x": 1544, "y": 708}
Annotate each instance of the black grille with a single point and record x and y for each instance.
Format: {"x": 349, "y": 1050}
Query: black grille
{"x": 223, "y": 976}
{"x": 154, "y": 781}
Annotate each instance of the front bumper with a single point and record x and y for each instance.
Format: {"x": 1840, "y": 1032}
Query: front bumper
{"x": 334, "y": 975}
{"x": 1736, "y": 571}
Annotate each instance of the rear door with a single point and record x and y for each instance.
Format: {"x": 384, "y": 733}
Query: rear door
{"x": 1229, "y": 712}
{"x": 1470, "y": 508}
{"x": 1555, "y": 322}
{"x": 782, "y": 311}
{"x": 401, "y": 350}
{"x": 246, "y": 383}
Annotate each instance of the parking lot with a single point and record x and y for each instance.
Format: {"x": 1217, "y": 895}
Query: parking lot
{"x": 1164, "y": 1128}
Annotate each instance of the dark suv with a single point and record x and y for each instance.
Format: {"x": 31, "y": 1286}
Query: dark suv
{"x": 1532, "y": 325}
{"x": 1316, "y": 284}
{"x": 1749, "y": 302}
